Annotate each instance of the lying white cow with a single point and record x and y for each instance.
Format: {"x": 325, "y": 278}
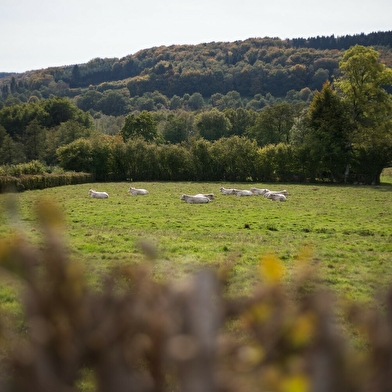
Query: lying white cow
{"x": 137, "y": 191}
{"x": 211, "y": 196}
{"x": 197, "y": 199}
{"x": 275, "y": 196}
{"x": 243, "y": 192}
{"x": 227, "y": 191}
{"x": 98, "y": 195}
{"x": 259, "y": 191}
{"x": 284, "y": 192}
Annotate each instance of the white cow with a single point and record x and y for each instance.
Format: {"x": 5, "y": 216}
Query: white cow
{"x": 137, "y": 191}
{"x": 275, "y": 196}
{"x": 259, "y": 191}
{"x": 243, "y": 192}
{"x": 197, "y": 199}
{"x": 284, "y": 192}
{"x": 227, "y": 191}
{"x": 98, "y": 195}
{"x": 211, "y": 196}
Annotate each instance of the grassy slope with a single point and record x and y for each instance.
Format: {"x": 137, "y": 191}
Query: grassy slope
{"x": 348, "y": 227}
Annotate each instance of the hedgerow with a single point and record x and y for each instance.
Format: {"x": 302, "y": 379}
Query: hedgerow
{"x": 31, "y": 182}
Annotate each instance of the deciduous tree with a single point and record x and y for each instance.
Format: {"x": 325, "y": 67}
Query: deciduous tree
{"x": 213, "y": 124}
{"x": 142, "y": 125}
{"x": 363, "y": 86}
{"x": 329, "y": 132}
{"x": 273, "y": 124}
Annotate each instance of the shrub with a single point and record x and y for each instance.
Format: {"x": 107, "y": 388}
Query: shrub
{"x": 42, "y": 181}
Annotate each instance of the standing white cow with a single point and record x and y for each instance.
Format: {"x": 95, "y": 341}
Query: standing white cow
{"x": 98, "y": 195}
{"x": 137, "y": 191}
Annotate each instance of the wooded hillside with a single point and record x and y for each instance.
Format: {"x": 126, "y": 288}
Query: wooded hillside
{"x": 260, "y": 70}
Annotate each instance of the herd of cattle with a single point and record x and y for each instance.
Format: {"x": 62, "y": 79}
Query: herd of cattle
{"x": 201, "y": 198}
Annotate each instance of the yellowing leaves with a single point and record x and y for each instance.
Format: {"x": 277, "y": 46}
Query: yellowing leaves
{"x": 250, "y": 356}
{"x": 12, "y": 253}
{"x": 259, "y": 313}
{"x": 295, "y": 383}
{"x": 277, "y": 380}
{"x": 303, "y": 329}
{"x": 271, "y": 269}
{"x": 49, "y": 214}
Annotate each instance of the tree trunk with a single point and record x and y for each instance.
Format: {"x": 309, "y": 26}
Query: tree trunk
{"x": 346, "y": 173}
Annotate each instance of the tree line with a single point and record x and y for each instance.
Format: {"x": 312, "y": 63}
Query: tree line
{"x": 344, "y": 42}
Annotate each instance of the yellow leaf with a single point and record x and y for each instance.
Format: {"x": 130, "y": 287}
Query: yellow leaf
{"x": 303, "y": 329}
{"x": 49, "y": 214}
{"x": 296, "y": 383}
{"x": 271, "y": 269}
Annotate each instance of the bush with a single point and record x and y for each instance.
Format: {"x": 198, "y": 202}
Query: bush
{"x": 33, "y": 167}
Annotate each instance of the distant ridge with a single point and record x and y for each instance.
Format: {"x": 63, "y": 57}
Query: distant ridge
{"x": 379, "y": 38}
{"x": 6, "y": 74}
{"x": 259, "y": 70}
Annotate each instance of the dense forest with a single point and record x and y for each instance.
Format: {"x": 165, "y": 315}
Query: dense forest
{"x": 258, "y": 69}
{"x": 264, "y": 91}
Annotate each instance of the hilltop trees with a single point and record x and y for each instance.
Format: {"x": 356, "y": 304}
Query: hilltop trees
{"x": 250, "y": 67}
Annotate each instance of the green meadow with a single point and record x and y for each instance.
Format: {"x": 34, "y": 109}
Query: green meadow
{"x": 347, "y": 229}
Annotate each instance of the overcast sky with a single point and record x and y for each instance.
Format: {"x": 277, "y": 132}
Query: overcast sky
{"x": 36, "y": 34}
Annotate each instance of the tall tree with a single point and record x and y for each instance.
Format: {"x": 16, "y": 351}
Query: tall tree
{"x": 11, "y": 152}
{"x": 363, "y": 85}
{"x": 77, "y": 156}
{"x": 34, "y": 141}
{"x": 175, "y": 129}
{"x": 234, "y": 158}
{"x": 142, "y": 125}
{"x": 273, "y": 124}
{"x": 213, "y": 124}
{"x": 329, "y": 137}
{"x": 196, "y": 101}
{"x": 240, "y": 120}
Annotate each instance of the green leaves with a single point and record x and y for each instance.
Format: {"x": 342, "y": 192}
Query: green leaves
{"x": 363, "y": 88}
{"x": 142, "y": 125}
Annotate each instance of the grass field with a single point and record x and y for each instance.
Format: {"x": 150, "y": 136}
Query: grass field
{"x": 348, "y": 229}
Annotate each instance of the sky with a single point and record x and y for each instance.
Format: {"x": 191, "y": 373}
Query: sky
{"x": 37, "y": 34}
